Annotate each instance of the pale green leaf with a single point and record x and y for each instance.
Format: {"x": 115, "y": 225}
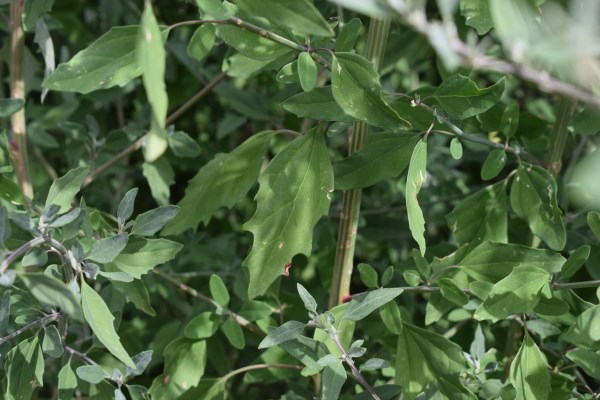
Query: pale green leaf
{"x": 593, "y": 220}
{"x": 368, "y": 275}
{"x": 574, "y": 262}
{"x": 91, "y": 373}
{"x": 286, "y": 332}
{"x": 218, "y": 290}
{"x": 250, "y": 44}
{"x": 533, "y": 198}
{"x": 388, "y": 274}
{"x": 346, "y": 39}
{"x": 288, "y": 73}
{"x": 67, "y": 382}
{"x": 105, "y": 250}
{"x": 334, "y": 376}
{"x": 182, "y": 145}
{"x": 220, "y": 183}
{"x": 456, "y": 149}
{"x": 294, "y": 193}
{"x": 365, "y": 303}
{"x": 44, "y": 41}
{"x": 373, "y": 364}
{"x": 317, "y": 104}
{"x": 309, "y": 302}
{"x": 160, "y": 177}
{"x": 385, "y": 155}
{"x": 424, "y": 357}
{"x": 51, "y": 291}
{"x": 10, "y": 106}
{"x": 100, "y": 319}
{"x": 150, "y": 222}
{"x": 391, "y": 317}
{"x": 587, "y": 360}
{"x": 254, "y": 310}
{"x": 529, "y": 372}
{"x": 109, "y": 61}
{"x": 477, "y": 14}
{"x": 585, "y": 332}
{"x": 141, "y": 360}
{"x": 481, "y": 217}
{"x": 415, "y": 179}
{"x": 202, "y": 42}
{"x": 125, "y": 208}
{"x": 34, "y": 10}
{"x": 135, "y": 290}
{"x": 493, "y": 164}
{"x": 307, "y": 351}
{"x": 52, "y": 344}
{"x": 450, "y": 291}
{"x": 202, "y": 326}
{"x": 518, "y": 293}
{"x": 141, "y": 255}
{"x": 24, "y": 368}
{"x": 63, "y": 190}
{"x": 307, "y": 71}
{"x": 461, "y": 98}
{"x": 234, "y": 334}
{"x": 356, "y": 88}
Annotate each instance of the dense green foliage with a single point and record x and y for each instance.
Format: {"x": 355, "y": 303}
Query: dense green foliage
{"x": 185, "y": 187}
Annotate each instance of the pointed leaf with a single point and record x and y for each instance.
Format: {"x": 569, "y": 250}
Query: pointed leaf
{"x": 141, "y": 255}
{"x": 481, "y": 217}
{"x": 334, "y": 376}
{"x": 317, "y": 104}
{"x": 109, "y": 61}
{"x": 63, "y": 190}
{"x": 101, "y": 320}
{"x": 364, "y": 304}
{"x": 450, "y": 290}
{"x": 477, "y": 14}
{"x": 368, "y": 275}
{"x": 587, "y": 360}
{"x": 385, "y": 155}
{"x": 52, "y": 343}
{"x": 425, "y": 357}
{"x": 286, "y": 332}
{"x": 307, "y": 71}
{"x": 585, "y": 332}
{"x": 348, "y": 35}
{"x": 309, "y": 302}
{"x": 125, "y": 208}
{"x": 24, "y": 368}
{"x": 91, "y": 373}
{"x": 182, "y": 145}
{"x": 415, "y": 179}
{"x": 218, "y": 290}
{"x": 461, "y": 98}
{"x": 105, "y": 250}
{"x": 293, "y": 195}
{"x": 593, "y": 220}
{"x": 202, "y": 42}
{"x": 51, "y": 291}
{"x": 10, "y": 106}
{"x": 220, "y": 183}
{"x": 141, "y": 360}
{"x": 150, "y": 222}
{"x": 67, "y": 382}
{"x": 493, "y": 165}
{"x": 356, "y": 88}
{"x": 533, "y": 198}
{"x": 234, "y": 334}
{"x": 529, "y": 372}
{"x": 574, "y": 262}
{"x": 251, "y": 45}
{"x": 391, "y": 317}
{"x": 202, "y": 326}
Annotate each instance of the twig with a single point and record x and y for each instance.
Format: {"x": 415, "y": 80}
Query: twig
{"x": 45, "y": 320}
{"x": 53, "y": 243}
{"x": 241, "y": 321}
{"x": 140, "y": 141}
{"x": 260, "y": 366}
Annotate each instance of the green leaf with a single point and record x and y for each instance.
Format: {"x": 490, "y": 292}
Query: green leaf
{"x": 452, "y": 292}
{"x": 182, "y": 145}
{"x": 424, "y": 357}
{"x": 298, "y": 15}
{"x": 388, "y": 274}
{"x": 307, "y": 351}
{"x": 52, "y": 343}
{"x": 109, "y": 61}
{"x": 461, "y": 98}
{"x": 185, "y": 360}
{"x": 10, "y": 191}
{"x": 284, "y": 333}
{"x": 101, "y": 319}
{"x": 160, "y": 177}
{"x": 218, "y": 290}
{"x": 391, "y": 317}
{"x": 24, "y": 368}
{"x": 518, "y": 293}
{"x": 234, "y": 334}
{"x": 67, "y": 382}
{"x": 251, "y": 45}
{"x": 365, "y": 303}
{"x": 477, "y": 14}
{"x": 51, "y": 291}
{"x": 33, "y": 10}
{"x": 357, "y": 90}
{"x": 412, "y": 277}
{"x": 63, "y": 190}
{"x": 220, "y": 183}
{"x": 307, "y": 71}
{"x": 125, "y": 208}
{"x": 43, "y": 39}
{"x": 510, "y": 119}
{"x": 294, "y": 193}
{"x": 585, "y": 332}
{"x": 91, "y": 373}
{"x": 493, "y": 165}
{"x": 456, "y": 149}
{"x": 586, "y": 360}
{"x": 385, "y": 155}
{"x": 368, "y": 275}
{"x": 150, "y": 53}
{"x": 481, "y": 217}
{"x": 491, "y": 262}
{"x": 317, "y": 104}
{"x": 136, "y": 293}
{"x": 150, "y": 222}
{"x": 593, "y": 220}
{"x": 289, "y": 73}
{"x": 309, "y": 302}
{"x": 348, "y": 35}
{"x": 255, "y": 310}
{"x": 373, "y": 364}
{"x": 422, "y": 265}
{"x": 201, "y": 327}
{"x": 417, "y": 172}
{"x": 141, "y": 360}
{"x": 334, "y": 376}
{"x": 141, "y": 255}
{"x": 574, "y": 262}
{"x": 202, "y": 42}
{"x": 529, "y": 372}
{"x": 533, "y": 198}
{"x": 10, "y": 106}
{"x": 105, "y": 250}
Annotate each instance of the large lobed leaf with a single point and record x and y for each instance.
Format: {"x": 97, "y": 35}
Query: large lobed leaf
{"x": 294, "y": 193}
{"x": 220, "y": 183}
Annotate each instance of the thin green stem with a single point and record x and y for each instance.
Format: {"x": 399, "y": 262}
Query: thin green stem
{"x": 18, "y": 141}
{"x": 576, "y": 285}
{"x": 243, "y": 322}
{"x": 261, "y": 366}
{"x": 52, "y": 243}
{"x": 346, "y": 241}
{"x": 558, "y": 137}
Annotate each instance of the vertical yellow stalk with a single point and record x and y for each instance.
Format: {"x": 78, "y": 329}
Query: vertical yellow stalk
{"x": 344, "y": 253}
{"x": 18, "y": 140}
